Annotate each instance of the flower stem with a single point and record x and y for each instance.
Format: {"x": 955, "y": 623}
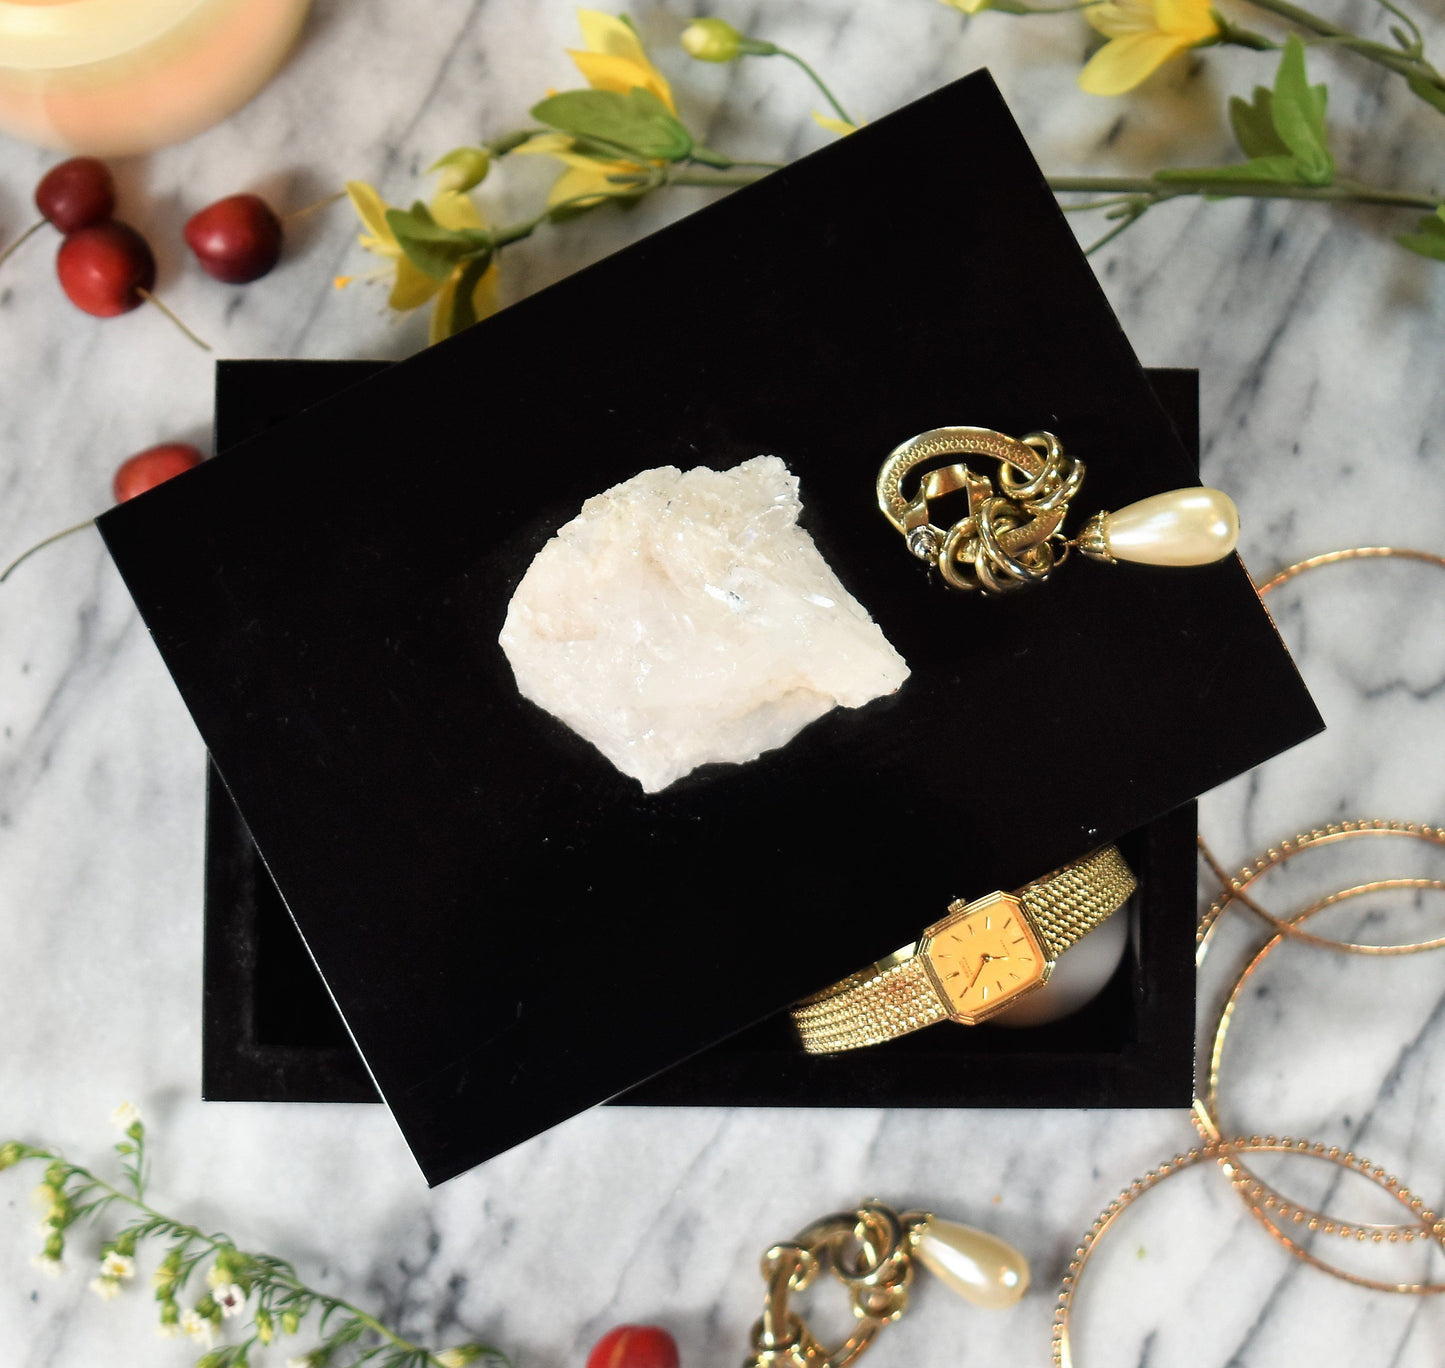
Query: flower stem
{"x": 1242, "y": 37}
{"x": 714, "y": 180}
{"x": 1379, "y": 53}
{"x": 1342, "y": 192}
{"x": 816, "y": 80}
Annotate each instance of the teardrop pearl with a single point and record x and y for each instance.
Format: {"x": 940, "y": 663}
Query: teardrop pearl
{"x": 1182, "y": 527}
{"x": 976, "y": 1265}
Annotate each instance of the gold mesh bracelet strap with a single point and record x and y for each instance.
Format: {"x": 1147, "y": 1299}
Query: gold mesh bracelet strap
{"x": 868, "y": 1008}
{"x": 1069, "y": 903}
{"x": 896, "y": 996}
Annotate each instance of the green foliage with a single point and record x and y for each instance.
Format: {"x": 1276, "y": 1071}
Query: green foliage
{"x": 1428, "y": 239}
{"x": 637, "y": 126}
{"x": 275, "y": 1298}
{"x": 1254, "y": 125}
{"x": 1298, "y": 111}
{"x": 1428, "y": 91}
{"x": 463, "y": 310}
{"x": 431, "y": 247}
{"x": 1282, "y": 132}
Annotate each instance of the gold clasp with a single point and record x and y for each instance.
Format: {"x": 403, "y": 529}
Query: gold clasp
{"x": 1007, "y": 536}
{"x": 869, "y": 1251}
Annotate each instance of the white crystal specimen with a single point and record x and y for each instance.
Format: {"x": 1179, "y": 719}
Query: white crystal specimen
{"x": 681, "y": 619}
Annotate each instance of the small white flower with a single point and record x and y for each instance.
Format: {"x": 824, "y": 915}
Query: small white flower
{"x": 125, "y": 1116}
{"x": 198, "y": 1328}
{"x": 303, "y": 1362}
{"x": 166, "y": 1331}
{"x": 116, "y": 1265}
{"x": 230, "y": 1298}
{"x": 51, "y": 1267}
{"x": 105, "y": 1288}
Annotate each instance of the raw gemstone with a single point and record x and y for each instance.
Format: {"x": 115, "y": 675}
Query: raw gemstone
{"x": 682, "y": 619}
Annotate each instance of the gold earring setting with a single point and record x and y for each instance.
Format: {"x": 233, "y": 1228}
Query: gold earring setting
{"x": 1012, "y": 534}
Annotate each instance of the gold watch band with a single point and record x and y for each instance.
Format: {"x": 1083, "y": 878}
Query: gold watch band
{"x": 897, "y": 995}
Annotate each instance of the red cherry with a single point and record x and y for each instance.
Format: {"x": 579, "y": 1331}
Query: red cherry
{"x": 155, "y": 465}
{"x": 634, "y": 1346}
{"x": 104, "y": 268}
{"x": 76, "y": 193}
{"x": 235, "y": 239}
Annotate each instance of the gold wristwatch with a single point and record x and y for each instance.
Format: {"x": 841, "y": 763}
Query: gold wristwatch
{"x": 979, "y": 959}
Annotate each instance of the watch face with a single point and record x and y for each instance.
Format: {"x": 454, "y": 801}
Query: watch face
{"x": 983, "y": 956}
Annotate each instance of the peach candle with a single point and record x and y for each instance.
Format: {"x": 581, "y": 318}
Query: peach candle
{"x": 118, "y": 76}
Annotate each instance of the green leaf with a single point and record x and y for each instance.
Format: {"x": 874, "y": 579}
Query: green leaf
{"x": 1254, "y": 125}
{"x": 1298, "y": 113}
{"x": 638, "y": 122}
{"x": 1281, "y": 168}
{"x": 1427, "y": 91}
{"x": 463, "y": 310}
{"x": 347, "y": 1333}
{"x": 430, "y": 247}
{"x": 1428, "y": 239}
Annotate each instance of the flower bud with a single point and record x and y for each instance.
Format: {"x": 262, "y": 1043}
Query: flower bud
{"x": 170, "y": 1311}
{"x": 712, "y": 40}
{"x": 55, "y": 1246}
{"x": 265, "y": 1331}
{"x": 461, "y": 169}
{"x": 56, "y": 1174}
{"x": 125, "y": 1243}
{"x": 290, "y": 1322}
{"x": 9, "y": 1155}
{"x": 206, "y": 1307}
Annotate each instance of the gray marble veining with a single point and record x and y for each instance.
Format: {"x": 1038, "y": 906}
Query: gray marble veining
{"x": 1319, "y": 344}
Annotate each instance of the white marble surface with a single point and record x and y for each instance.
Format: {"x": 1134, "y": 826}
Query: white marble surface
{"x": 1319, "y": 344}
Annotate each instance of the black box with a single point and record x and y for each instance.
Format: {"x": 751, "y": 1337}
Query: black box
{"x": 512, "y": 930}
{"x": 272, "y": 1034}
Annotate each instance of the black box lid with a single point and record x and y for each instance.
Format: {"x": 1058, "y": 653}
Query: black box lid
{"x": 512, "y": 930}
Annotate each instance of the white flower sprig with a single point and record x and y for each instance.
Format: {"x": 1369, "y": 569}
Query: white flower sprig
{"x": 237, "y": 1282}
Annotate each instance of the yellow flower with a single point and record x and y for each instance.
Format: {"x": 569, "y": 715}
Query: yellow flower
{"x": 1143, "y": 35}
{"x": 585, "y": 178}
{"x": 615, "y": 59}
{"x": 967, "y": 6}
{"x": 839, "y": 126}
{"x": 411, "y": 286}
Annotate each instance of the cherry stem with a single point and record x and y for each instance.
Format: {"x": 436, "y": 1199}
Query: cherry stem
{"x": 29, "y": 232}
{"x": 54, "y": 537}
{"x": 311, "y": 208}
{"x": 152, "y": 299}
